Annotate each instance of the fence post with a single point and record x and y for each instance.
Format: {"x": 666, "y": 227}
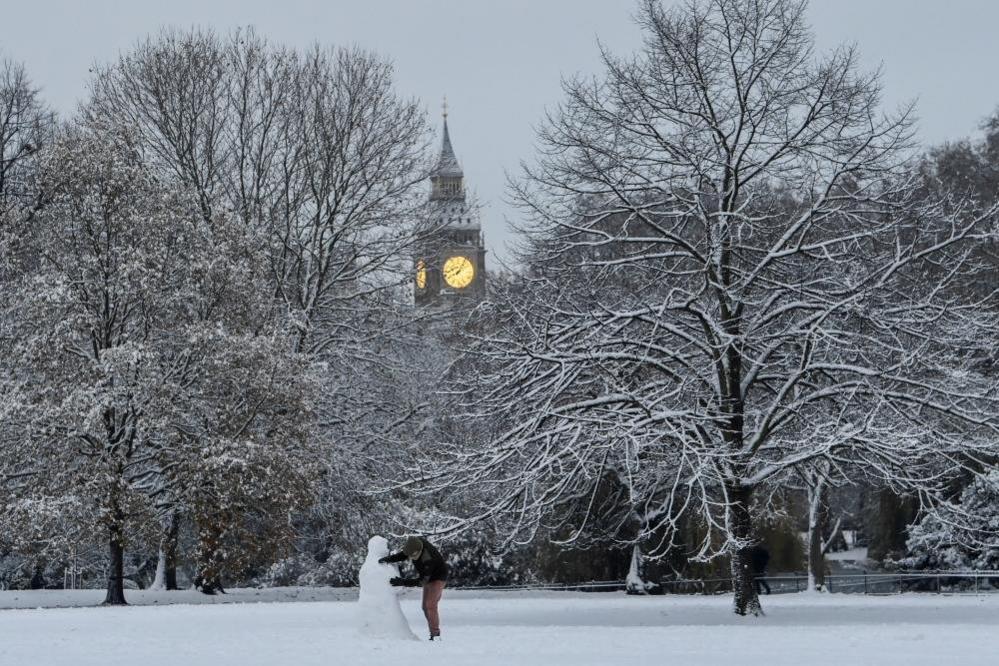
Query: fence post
{"x": 865, "y": 581}
{"x": 900, "y": 583}
{"x": 938, "y": 582}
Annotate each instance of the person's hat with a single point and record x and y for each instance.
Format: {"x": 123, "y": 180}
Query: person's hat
{"x": 413, "y": 547}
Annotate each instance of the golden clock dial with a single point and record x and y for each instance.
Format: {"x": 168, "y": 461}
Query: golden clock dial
{"x": 421, "y": 274}
{"x": 458, "y": 272}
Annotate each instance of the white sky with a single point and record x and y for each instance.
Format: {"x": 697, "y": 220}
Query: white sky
{"x": 500, "y": 61}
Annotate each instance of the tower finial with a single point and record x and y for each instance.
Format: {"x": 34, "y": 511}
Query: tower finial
{"x": 444, "y": 106}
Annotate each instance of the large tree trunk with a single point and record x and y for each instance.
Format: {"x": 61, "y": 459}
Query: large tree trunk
{"x": 746, "y": 601}
{"x": 116, "y": 577}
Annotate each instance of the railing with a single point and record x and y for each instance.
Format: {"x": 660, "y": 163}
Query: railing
{"x": 897, "y": 582}
{"x": 939, "y": 582}
{"x": 951, "y": 582}
{"x": 591, "y": 586}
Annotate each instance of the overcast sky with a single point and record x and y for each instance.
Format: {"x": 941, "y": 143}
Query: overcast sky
{"x": 500, "y": 61}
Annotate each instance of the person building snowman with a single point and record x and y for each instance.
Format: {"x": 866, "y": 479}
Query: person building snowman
{"x": 431, "y": 572}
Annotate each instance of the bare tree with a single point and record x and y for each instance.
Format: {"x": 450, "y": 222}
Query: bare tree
{"x": 732, "y": 277}
{"x": 313, "y": 150}
{"x": 25, "y": 128}
{"x": 355, "y": 192}
{"x": 172, "y": 91}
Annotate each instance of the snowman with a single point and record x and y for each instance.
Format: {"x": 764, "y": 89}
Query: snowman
{"x": 378, "y": 603}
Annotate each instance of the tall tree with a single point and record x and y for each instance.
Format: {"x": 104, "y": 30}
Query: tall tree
{"x": 735, "y": 276}
{"x": 147, "y": 382}
{"x": 320, "y": 161}
{"x": 91, "y": 313}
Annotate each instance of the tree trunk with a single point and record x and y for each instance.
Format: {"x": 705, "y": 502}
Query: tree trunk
{"x": 817, "y": 514}
{"x": 166, "y": 565}
{"x": 116, "y": 578}
{"x": 635, "y": 582}
{"x": 169, "y": 549}
{"x": 159, "y": 579}
{"x": 746, "y": 601}
{"x": 887, "y": 524}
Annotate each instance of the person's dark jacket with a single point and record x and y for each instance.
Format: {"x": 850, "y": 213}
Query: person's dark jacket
{"x": 759, "y": 558}
{"x": 430, "y": 565}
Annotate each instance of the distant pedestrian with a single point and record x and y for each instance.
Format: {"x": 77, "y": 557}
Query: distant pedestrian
{"x": 759, "y": 558}
{"x": 432, "y": 571}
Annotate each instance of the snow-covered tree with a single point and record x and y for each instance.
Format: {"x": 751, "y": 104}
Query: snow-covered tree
{"x": 151, "y": 381}
{"x": 249, "y": 460}
{"x": 26, "y": 127}
{"x": 320, "y": 163}
{"x": 734, "y": 274}
{"x": 91, "y": 312}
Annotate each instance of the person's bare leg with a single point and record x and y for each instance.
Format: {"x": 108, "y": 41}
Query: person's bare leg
{"x": 432, "y": 592}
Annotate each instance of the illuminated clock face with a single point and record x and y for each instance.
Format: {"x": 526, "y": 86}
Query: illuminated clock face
{"x": 421, "y": 274}
{"x": 458, "y": 272}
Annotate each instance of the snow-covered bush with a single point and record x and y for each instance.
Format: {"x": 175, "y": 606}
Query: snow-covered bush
{"x": 473, "y": 562}
{"x": 959, "y": 536}
{"x": 21, "y": 573}
{"x": 283, "y": 573}
{"x": 339, "y": 570}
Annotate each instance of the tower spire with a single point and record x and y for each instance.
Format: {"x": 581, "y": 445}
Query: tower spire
{"x": 447, "y": 163}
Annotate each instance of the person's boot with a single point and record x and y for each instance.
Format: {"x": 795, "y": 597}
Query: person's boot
{"x": 435, "y": 637}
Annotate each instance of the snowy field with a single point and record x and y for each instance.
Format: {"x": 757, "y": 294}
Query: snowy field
{"x": 246, "y": 595}
{"x": 516, "y": 629}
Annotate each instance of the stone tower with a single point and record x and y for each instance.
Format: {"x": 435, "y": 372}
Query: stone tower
{"x": 452, "y": 263}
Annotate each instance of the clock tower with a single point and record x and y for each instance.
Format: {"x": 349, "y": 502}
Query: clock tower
{"x": 451, "y": 265}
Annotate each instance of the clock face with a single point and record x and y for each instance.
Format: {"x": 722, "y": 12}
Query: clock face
{"x": 458, "y": 272}
{"x": 421, "y": 274}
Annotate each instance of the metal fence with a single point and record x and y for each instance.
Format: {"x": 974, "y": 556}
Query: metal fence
{"x": 897, "y": 582}
{"x": 590, "y": 586}
{"x": 863, "y": 582}
{"x": 951, "y": 582}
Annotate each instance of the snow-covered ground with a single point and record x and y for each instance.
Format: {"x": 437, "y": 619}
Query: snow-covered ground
{"x": 852, "y": 555}
{"x": 520, "y": 629}
{"x": 245, "y": 595}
